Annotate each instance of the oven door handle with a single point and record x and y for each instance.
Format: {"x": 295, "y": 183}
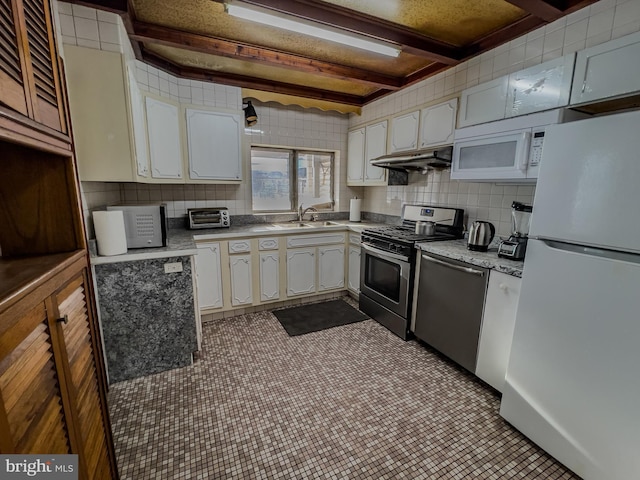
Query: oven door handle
{"x": 384, "y": 253}
{"x": 472, "y": 271}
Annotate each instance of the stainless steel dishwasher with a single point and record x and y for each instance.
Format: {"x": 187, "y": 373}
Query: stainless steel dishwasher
{"x": 449, "y": 306}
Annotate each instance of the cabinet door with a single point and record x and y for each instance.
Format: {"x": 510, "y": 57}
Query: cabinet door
{"x": 32, "y": 417}
{"x": 29, "y": 80}
{"x": 404, "y": 132}
{"x": 209, "y": 275}
{"x": 214, "y": 143}
{"x": 438, "y": 124}
{"x": 13, "y": 89}
{"x": 301, "y": 271}
{"x": 354, "y": 269}
{"x": 83, "y": 380}
{"x": 541, "y": 87}
{"x": 269, "y": 276}
{"x": 330, "y": 267}
{"x": 241, "y": 280}
{"x": 607, "y": 70}
{"x": 355, "y": 157}
{"x": 138, "y": 126}
{"x": 97, "y": 100}
{"x": 375, "y": 146}
{"x": 498, "y": 322}
{"x": 483, "y": 103}
{"x": 164, "y": 139}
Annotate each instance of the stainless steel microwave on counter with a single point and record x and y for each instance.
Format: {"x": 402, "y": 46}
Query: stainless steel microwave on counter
{"x": 144, "y": 225}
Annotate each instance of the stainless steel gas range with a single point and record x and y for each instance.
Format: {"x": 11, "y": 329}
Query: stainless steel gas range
{"x": 387, "y": 266}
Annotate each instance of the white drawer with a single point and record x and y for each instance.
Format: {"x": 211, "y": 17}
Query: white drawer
{"x": 239, "y": 246}
{"x": 311, "y": 240}
{"x": 267, "y": 244}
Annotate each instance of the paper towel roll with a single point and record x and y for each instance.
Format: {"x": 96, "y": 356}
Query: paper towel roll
{"x": 110, "y": 234}
{"x": 354, "y": 210}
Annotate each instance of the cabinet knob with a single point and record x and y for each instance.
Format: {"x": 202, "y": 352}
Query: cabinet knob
{"x": 64, "y": 319}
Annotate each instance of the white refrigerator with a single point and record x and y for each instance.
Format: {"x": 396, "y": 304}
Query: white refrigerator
{"x": 573, "y": 378}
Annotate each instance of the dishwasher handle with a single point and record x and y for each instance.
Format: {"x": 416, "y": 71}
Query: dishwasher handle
{"x": 472, "y": 271}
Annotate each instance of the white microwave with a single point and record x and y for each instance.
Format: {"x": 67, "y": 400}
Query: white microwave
{"x": 507, "y": 150}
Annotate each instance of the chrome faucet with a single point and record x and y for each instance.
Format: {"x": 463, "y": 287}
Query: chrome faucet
{"x": 302, "y": 212}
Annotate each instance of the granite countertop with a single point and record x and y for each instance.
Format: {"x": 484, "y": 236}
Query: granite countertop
{"x": 457, "y": 250}
{"x": 182, "y": 242}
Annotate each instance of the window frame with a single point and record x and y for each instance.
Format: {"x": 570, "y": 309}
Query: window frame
{"x": 293, "y": 176}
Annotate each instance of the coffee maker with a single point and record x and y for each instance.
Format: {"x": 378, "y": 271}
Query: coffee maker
{"x": 515, "y": 246}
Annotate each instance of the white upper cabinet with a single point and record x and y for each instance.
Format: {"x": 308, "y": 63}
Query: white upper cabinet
{"x": 607, "y": 70}
{"x": 214, "y": 141}
{"x": 438, "y": 123}
{"x": 483, "y": 103}
{"x": 375, "y": 146}
{"x": 541, "y": 87}
{"x": 355, "y": 157}
{"x": 165, "y": 152}
{"x": 404, "y": 132}
{"x": 99, "y": 114}
{"x": 364, "y": 144}
{"x": 139, "y": 126}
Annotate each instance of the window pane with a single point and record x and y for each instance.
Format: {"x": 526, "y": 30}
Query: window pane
{"x": 270, "y": 182}
{"x": 315, "y": 180}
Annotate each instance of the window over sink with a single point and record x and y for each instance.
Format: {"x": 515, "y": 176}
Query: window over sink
{"x": 282, "y": 179}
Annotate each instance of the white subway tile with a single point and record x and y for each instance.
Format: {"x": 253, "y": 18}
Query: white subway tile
{"x": 86, "y": 29}
{"x": 67, "y": 26}
{"x": 83, "y": 12}
{"x": 88, "y": 43}
{"x": 109, "y": 32}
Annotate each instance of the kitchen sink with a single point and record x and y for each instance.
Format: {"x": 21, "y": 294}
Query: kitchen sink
{"x": 329, "y": 223}
{"x": 288, "y": 225}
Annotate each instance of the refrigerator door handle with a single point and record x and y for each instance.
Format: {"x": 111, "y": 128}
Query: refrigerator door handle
{"x": 593, "y": 251}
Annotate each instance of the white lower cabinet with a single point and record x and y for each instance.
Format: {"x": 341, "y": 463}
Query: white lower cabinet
{"x": 330, "y": 267}
{"x": 354, "y": 269}
{"x": 498, "y": 323}
{"x": 209, "y": 275}
{"x": 241, "y": 280}
{"x": 322, "y": 253}
{"x": 269, "y": 276}
{"x": 301, "y": 271}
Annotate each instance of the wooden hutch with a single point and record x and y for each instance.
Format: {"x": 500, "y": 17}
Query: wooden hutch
{"x": 52, "y": 377}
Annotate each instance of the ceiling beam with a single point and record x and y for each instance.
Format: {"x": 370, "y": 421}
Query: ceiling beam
{"x": 503, "y": 35}
{"x": 550, "y": 10}
{"x": 145, "y": 32}
{"x": 115, "y": 6}
{"x": 356, "y": 22}
{"x": 546, "y": 10}
{"x": 244, "y": 81}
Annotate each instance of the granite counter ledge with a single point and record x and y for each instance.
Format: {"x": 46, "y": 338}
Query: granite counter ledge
{"x": 457, "y": 250}
{"x": 179, "y": 244}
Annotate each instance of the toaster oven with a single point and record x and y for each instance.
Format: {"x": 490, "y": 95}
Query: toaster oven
{"x": 208, "y": 218}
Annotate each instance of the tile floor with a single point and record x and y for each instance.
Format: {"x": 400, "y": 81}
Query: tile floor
{"x": 352, "y": 402}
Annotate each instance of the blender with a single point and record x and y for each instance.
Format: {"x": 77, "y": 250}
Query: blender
{"x": 515, "y": 246}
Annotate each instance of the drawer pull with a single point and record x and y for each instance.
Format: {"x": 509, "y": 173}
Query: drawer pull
{"x": 64, "y": 319}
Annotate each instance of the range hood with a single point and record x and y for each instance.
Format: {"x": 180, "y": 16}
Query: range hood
{"x": 416, "y": 160}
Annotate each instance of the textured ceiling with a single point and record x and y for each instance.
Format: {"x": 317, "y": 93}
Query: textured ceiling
{"x": 198, "y": 39}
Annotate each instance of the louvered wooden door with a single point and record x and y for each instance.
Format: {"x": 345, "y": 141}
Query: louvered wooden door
{"x": 29, "y": 78}
{"x": 31, "y": 410}
{"x": 83, "y": 383}
{"x": 13, "y": 92}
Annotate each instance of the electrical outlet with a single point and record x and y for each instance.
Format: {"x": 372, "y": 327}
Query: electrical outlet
{"x": 173, "y": 267}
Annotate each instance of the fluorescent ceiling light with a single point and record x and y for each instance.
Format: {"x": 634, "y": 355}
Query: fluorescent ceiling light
{"x": 275, "y": 19}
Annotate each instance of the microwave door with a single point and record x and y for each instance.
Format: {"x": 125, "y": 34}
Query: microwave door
{"x": 492, "y": 157}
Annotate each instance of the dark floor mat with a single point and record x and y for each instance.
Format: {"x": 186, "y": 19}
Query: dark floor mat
{"x": 317, "y": 316}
